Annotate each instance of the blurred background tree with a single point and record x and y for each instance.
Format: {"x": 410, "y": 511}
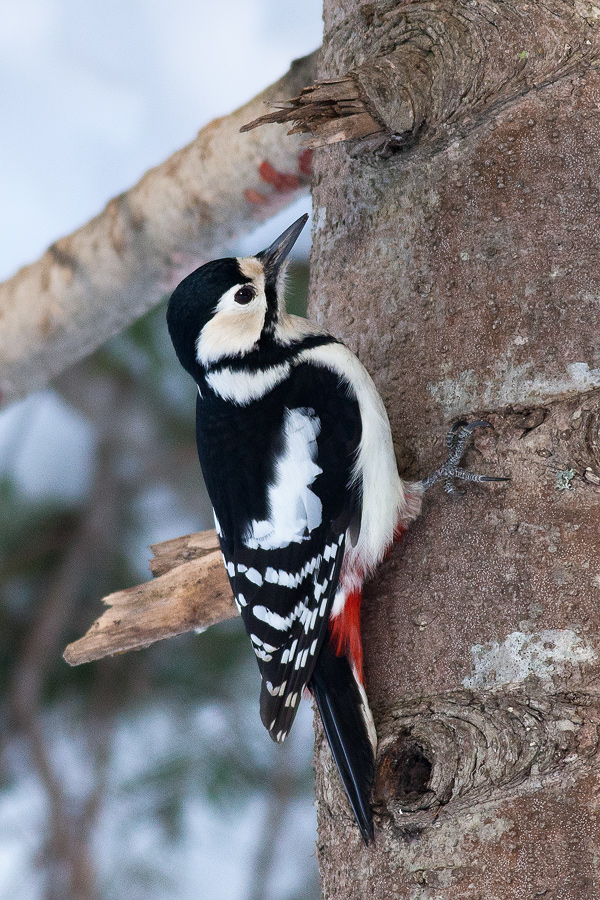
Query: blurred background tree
{"x": 148, "y": 775}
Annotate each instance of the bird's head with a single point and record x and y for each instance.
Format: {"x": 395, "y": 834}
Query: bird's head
{"x": 225, "y": 307}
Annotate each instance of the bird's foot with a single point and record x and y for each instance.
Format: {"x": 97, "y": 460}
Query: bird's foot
{"x": 457, "y": 441}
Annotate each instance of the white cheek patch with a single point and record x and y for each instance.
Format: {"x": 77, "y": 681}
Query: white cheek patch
{"x": 290, "y": 329}
{"x": 294, "y": 509}
{"x": 234, "y": 328}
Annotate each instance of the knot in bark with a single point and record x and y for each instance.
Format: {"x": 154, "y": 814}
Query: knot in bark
{"x": 442, "y": 64}
{"x": 465, "y": 749}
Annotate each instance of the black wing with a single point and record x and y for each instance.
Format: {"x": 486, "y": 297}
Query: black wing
{"x": 286, "y": 618}
{"x": 285, "y": 588}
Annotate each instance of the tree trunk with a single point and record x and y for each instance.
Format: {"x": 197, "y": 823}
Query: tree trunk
{"x": 462, "y": 264}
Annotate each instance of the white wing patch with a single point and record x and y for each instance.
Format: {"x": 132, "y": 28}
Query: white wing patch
{"x": 293, "y": 579}
{"x": 276, "y": 691}
{"x": 294, "y": 509}
{"x": 254, "y": 576}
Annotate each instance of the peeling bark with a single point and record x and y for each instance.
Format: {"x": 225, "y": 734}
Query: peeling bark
{"x": 465, "y": 272}
{"x": 93, "y": 283}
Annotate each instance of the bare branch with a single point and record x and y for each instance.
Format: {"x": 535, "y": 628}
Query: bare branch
{"x": 191, "y": 592}
{"x": 91, "y": 284}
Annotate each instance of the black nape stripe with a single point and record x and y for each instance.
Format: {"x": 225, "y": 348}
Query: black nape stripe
{"x": 269, "y": 352}
{"x": 272, "y": 311}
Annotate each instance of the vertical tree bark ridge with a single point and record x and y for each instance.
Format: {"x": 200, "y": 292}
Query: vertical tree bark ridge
{"x": 468, "y": 281}
{"x": 91, "y": 284}
{"x": 431, "y": 70}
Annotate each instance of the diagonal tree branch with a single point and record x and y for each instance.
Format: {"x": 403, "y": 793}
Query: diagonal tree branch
{"x": 190, "y": 592}
{"x": 91, "y": 284}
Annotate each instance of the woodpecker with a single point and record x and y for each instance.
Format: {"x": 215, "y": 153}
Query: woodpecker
{"x": 296, "y": 451}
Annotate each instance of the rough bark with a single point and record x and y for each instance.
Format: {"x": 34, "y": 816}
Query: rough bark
{"x": 465, "y": 271}
{"x": 91, "y": 284}
{"x": 428, "y": 69}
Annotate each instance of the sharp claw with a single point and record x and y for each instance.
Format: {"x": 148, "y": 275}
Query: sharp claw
{"x": 469, "y": 426}
{"x": 456, "y": 441}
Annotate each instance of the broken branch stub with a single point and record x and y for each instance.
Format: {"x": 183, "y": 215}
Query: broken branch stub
{"x": 446, "y": 64}
{"x": 190, "y": 592}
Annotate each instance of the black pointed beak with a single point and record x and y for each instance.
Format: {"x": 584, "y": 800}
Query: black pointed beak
{"x": 273, "y": 257}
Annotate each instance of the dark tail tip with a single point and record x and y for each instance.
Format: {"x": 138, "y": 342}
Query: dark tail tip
{"x": 341, "y": 705}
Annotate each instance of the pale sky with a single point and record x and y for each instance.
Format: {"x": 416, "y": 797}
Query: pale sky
{"x": 93, "y": 94}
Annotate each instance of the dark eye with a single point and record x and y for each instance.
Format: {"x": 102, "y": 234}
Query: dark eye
{"x": 245, "y": 294}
